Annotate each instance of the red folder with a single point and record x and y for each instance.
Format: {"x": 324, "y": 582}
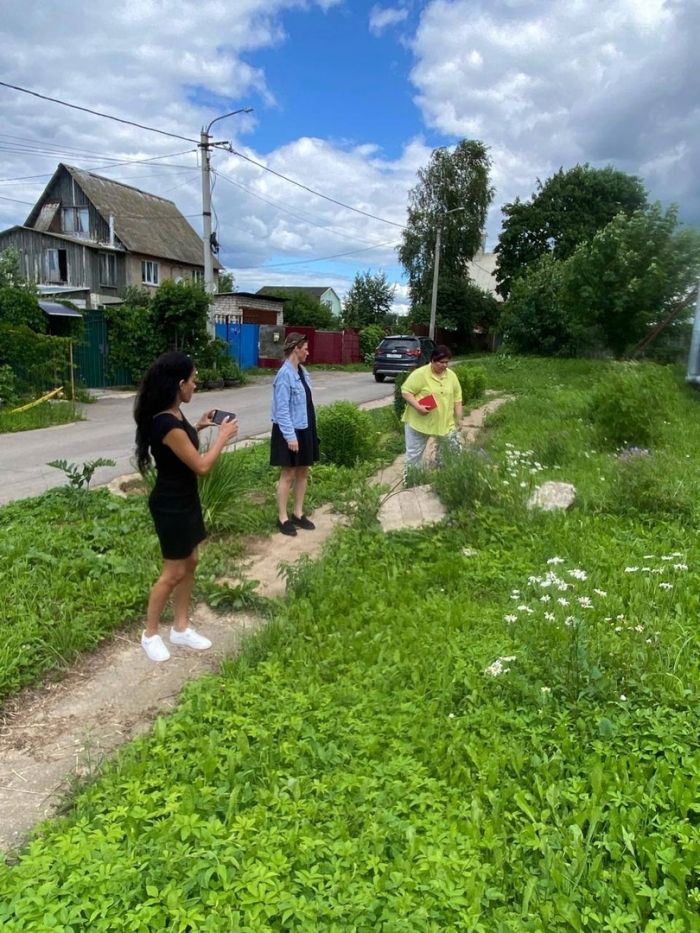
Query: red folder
{"x": 428, "y": 401}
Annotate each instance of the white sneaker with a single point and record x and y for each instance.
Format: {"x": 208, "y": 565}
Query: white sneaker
{"x": 154, "y": 646}
{"x": 189, "y": 639}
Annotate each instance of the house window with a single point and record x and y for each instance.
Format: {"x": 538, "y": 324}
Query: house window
{"x": 149, "y": 272}
{"x": 55, "y": 266}
{"x": 108, "y": 269}
{"x": 197, "y": 276}
{"x": 76, "y": 220}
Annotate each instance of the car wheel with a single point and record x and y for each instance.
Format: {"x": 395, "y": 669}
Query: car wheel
{"x": 379, "y": 377}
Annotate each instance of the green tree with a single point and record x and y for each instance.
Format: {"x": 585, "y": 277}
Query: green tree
{"x": 633, "y": 274}
{"x": 368, "y": 301}
{"x": 565, "y": 211}
{"x": 132, "y": 337}
{"x": 303, "y": 310}
{"x": 464, "y": 307}
{"x": 180, "y": 313}
{"x": 454, "y": 181}
{"x": 226, "y": 282}
{"x": 18, "y": 299}
{"x": 535, "y": 320}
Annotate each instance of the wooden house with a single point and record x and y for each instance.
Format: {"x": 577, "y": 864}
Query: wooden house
{"x": 91, "y": 234}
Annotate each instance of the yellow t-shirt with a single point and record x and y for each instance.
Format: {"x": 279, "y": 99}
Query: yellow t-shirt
{"x": 447, "y": 391}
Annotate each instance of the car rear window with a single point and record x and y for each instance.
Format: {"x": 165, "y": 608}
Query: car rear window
{"x": 394, "y": 346}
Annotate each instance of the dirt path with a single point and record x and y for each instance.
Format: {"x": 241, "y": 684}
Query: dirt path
{"x": 56, "y": 733}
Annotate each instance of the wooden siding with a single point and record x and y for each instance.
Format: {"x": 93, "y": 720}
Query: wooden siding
{"x": 82, "y": 260}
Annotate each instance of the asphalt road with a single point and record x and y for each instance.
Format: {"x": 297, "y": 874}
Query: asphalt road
{"x": 108, "y": 429}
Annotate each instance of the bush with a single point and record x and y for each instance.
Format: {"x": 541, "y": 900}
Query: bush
{"x": 472, "y": 379}
{"x": 643, "y": 485}
{"x": 370, "y": 338}
{"x": 466, "y": 479}
{"x": 399, "y": 401}
{"x": 39, "y": 362}
{"x": 630, "y": 404}
{"x": 8, "y": 392}
{"x": 346, "y": 434}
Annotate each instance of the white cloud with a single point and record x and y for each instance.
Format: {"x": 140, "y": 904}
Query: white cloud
{"x": 548, "y": 84}
{"x": 380, "y": 18}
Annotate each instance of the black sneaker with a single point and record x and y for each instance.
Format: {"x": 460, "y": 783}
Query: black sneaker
{"x": 303, "y": 522}
{"x": 287, "y": 528}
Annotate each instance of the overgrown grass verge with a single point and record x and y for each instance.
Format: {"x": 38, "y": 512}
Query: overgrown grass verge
{"x": 41, "y": 416}
{"x": 412, "y": 743}
{"x": 78, "y": 566}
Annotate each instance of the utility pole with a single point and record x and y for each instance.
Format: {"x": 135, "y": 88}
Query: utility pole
{"x": 206, "y": 145}
{"x": 436, "y": 272}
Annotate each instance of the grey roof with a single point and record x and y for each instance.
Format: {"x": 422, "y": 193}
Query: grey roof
{"x": 314, "y": 291}
{"x": 143, "y": 222}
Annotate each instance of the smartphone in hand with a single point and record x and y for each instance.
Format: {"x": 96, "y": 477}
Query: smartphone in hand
{"x": 220, "y": 416}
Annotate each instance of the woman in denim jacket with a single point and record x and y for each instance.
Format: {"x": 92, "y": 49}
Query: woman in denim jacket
{"x": 294, "y": 441}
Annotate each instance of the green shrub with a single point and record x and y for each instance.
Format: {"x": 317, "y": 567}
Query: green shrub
{"x": 472, "y": 379}
{"x": 346, "y": 434}
{"x": 8, "y": 392}
{"x": 399, "y": 401}
{"x": 467, "y": 478}
{"x": 642, "y": 484}
{"x": 370, "y": 338}
{"x": 631, "y": 403}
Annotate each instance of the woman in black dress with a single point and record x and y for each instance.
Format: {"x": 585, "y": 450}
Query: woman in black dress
{"x": 294, "y": 441}
{"x": 163, "y": 431}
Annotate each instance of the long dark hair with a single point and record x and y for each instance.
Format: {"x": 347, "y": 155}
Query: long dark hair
{"x": 157, "y": 392}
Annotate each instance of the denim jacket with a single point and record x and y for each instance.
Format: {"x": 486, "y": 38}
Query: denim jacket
{"x": 289, "y": 400}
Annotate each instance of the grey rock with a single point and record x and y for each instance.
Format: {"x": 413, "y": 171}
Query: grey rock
{"x": 551, "y": 495}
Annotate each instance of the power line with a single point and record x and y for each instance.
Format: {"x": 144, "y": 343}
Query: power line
{"x": 304, "y": 218}
{"x": 15, "y": 200}
{"x": 97, "y": 113}
{"x": 303, "y": 262}
{"x": 318, "y": 194}
{"x": 110, "y": 165}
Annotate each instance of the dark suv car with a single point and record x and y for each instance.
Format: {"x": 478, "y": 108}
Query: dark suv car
{"x": 401, "y": 353}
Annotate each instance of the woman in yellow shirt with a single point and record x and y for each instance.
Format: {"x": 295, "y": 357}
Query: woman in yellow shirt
{"x": 438, "y": 387}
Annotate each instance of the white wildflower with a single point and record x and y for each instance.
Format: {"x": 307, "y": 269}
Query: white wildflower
{"x": 600, "y": 592}
{"x": 665, "y": 586}
{"x": 498, "y": 666}
{"x": 623, "y": 698}
{"x": 631, "y": 569}
{"x": 451, "y": 716}
{"x": 549, "y": 616}
{"x": 524, "y": 608}
{"x": 562, "y": 601}
{"x": 585, "y": 602}
{"x": 555, "y": 560}
{"x": 680, "y": 566}
{"x": 545, "y": 689}
{"x": 545, "y": 599}
{"x": 639, "y": 628}
{"x": 569, "y": 621}
{"x": 578, "y": 574}
{"x": 510, "y": 617}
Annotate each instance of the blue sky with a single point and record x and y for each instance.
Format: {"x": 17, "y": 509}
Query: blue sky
{"x": 349, "y": 99}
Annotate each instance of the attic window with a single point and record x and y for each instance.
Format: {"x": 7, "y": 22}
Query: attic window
{"x": 76, "y": 220}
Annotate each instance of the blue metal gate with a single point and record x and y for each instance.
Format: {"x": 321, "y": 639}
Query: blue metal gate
{"x": 242, "y": 340}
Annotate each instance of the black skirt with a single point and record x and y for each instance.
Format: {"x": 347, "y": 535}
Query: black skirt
{"x": 282, "y": 456}
{"x": 179, "y": 523}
